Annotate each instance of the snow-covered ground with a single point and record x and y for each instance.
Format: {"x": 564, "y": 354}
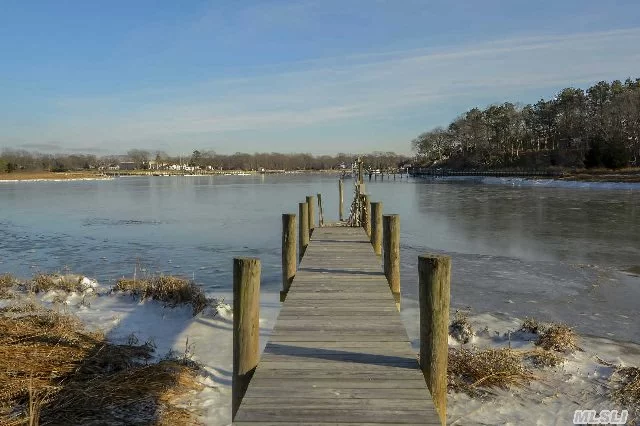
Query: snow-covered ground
{"x": 582, "y": 382}
{"x": 206, "y": 338}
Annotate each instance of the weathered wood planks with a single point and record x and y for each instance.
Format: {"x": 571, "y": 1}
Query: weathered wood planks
{"x": 339, "y": 352}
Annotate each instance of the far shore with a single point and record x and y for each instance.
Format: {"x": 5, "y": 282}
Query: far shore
{"x": 37, "y": 176}
{"x": 627, "y": 175}
{"x": 94, "y": 175}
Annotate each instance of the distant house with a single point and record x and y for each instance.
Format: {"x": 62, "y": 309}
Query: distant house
{"x": 113, "y": 167}
{"x": 127, "y": 165}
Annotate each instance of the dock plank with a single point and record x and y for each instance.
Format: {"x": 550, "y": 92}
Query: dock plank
{"x": 339, "y": 352}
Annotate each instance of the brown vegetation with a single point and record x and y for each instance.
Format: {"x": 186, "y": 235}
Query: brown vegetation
{"x": 54, "y": 372}
{"x": 169, "y": 289}
{"x": 475, "y": 371}
{"x": 7, "y": 281}
{"x": 558, "y": 337}
{"x": 543, "y": 358}
{"x": 628, "y": 393}
{"x": 32, "y": 175}
{"x": 460, "y": 328}
{"x": 46, "y": 282}
{"x": 531, "y": 325}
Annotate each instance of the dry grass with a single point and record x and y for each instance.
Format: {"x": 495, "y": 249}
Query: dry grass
{"x": 46, "y": 282}
{"x": 7, "y": 282}
{"x": 475, "y": 371}
{"x": 460, "y": 328}
{"x": 21, "y": 306}
{"x": 52, "y": 370}
{"x": 168, "y": 289}
{"x": 542, "y": 358}
{"x": 628, "y": 390}
{"x": 48, "y": 175}
{"x": 145, "y": 394}
{"x": 532, "y": 326}
{"x": 558, "y": 337}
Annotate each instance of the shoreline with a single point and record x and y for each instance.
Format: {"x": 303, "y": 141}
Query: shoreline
{"x": 50, "y": 176}
{"x": 626, "y": 175}
{"x": 631, "y": 176}
{"x": 81, "y": 176}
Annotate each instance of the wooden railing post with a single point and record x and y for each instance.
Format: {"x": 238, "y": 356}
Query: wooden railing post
{"x": 288, "y": 253}
{"x": 366, "y": 215}
{"x": 341, "y": 199}
{"x": 246, "y": 326}
{"x": 434, "y": 294}
{"x": 311, "y": 201}
{"x": 320, "y": 213}
{"x": 303, "y": 231}
{"x": 376, "y": 227}
{"x": 391, "y": 251}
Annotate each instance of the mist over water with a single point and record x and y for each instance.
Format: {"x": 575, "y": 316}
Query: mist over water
{"x": 556, "y": 253}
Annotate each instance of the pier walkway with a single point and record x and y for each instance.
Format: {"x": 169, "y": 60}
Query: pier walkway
{"x": 339, "y": 352}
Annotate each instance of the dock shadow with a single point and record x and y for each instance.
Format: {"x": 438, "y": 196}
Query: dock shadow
{"x": 340, "y": 271}
{"x": 340, "y": 355}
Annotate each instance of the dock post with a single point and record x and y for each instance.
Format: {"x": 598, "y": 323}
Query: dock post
{"x": 391, "y": 251}
{"x": 246, "y": 326}
{"x": 376, "y": 227}
{"x": 311, "y": 201}
{"x": 303, "y": 230}
{"x": 320, "y": 214}
{"x": 366, "y": 215}
{"x": 341, "y": 198}
{"x": 434, "y": 284}
{"x": 360, "y": 172}
{"x": 361, "y": 192}
{"x": 288, "y": 253}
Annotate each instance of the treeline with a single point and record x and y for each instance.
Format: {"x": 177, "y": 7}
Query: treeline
{"x": 278, "y": 161}
{"x": 16, "y": 160}
{"x": 599, "y": 127}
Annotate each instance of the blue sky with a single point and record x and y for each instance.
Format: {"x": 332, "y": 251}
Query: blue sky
{"x": 319, "y": 76}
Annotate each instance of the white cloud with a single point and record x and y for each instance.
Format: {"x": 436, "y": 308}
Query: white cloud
{"x": 340, "y": 89}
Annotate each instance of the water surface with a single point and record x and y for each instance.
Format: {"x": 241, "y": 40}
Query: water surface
{"x": 557, "y": 253}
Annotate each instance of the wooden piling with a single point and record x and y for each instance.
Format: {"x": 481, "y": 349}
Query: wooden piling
{"x": 391, "y": 253}
{"x": 303, "y": 230}
{"x": 434, "y": 295}
{"x": 376, "y": 227}
{"x": 288, "y": 253}
{"x": 366, "y": 216}
{"x": 320, "y": 213}
{"x": 311, "y": 201}
{"x": 341, "y": 198}
{"x": 360, "y": 172}
{"x": 246, "y": 326}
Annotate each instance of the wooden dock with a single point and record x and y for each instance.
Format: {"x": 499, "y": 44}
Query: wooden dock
{"x": 339, "y": 352}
